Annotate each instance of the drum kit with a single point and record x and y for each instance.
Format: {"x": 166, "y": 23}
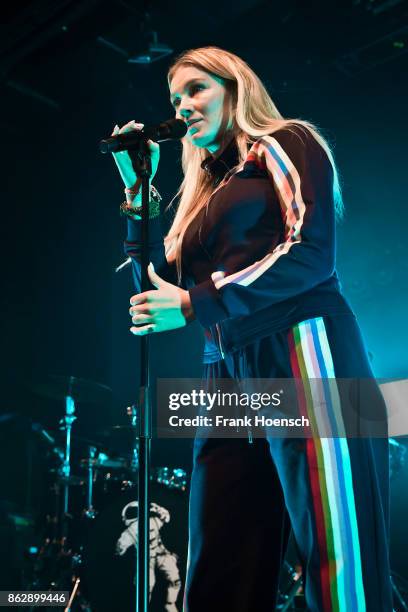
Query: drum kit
{"x": 89, "y": 533}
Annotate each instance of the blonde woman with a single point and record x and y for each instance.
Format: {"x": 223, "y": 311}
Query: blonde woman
{"x": 251, "y": 255}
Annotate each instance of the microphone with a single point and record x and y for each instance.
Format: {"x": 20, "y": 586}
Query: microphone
{"x": 167, "y": 130}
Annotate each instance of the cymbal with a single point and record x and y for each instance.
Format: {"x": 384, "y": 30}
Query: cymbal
{"x": 21, "y": 520}
{"x": 71, "y": 480}
{"x": 129, "y": 432}
{"x": 116, "y": 430}
{"x": 82, "y": 390}
{"x": 103, "y": 461}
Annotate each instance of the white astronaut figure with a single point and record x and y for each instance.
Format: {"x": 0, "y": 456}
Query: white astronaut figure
{"x": 161, "y": 559}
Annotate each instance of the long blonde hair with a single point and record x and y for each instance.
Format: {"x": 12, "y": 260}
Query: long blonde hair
{"x": 255, "y": 115}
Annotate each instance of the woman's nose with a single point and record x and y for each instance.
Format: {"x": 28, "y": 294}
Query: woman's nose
{"x": 185, "y": 109}
{"x": 184, "y": 116}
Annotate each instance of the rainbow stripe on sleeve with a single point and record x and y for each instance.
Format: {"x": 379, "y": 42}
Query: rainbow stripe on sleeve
{"x": 268, "y": 154}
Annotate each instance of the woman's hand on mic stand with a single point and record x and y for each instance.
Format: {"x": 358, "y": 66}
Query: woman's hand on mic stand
{"x": 123, "y": 161}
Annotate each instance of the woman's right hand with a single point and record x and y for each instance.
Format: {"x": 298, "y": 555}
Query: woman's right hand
{"x": 123, "y": 160}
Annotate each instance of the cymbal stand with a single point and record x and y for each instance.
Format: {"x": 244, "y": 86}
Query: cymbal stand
{"x": 51, "y": 569}
{"x": 90, "y": 510}
{"x": 67, "y": 422}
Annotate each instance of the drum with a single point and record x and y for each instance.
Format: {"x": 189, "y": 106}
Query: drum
{"x": 109, "y": 555}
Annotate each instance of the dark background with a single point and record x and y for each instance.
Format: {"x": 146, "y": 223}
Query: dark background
{"x": 66, "y": 79}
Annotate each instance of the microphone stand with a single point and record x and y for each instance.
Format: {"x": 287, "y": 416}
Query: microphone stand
{"x": 141, "y": 162}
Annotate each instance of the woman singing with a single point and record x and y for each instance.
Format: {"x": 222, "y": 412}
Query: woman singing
{"x": 251, "y": 255}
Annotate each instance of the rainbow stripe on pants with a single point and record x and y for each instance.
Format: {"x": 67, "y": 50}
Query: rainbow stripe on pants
{"x": 330, "y": 472}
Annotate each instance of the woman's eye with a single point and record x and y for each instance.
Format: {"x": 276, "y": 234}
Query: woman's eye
{"x": 195, "y": 88}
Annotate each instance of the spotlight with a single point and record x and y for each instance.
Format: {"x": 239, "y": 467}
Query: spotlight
{"x": 151, "y": 51}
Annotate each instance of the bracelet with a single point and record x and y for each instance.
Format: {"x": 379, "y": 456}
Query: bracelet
{"x": 127, "y": 209}
{"x": 135, "y": 189}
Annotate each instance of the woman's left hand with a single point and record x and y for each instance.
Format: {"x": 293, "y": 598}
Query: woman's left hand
{"x": 162, "y": 309}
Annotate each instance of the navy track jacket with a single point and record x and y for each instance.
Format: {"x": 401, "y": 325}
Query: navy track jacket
{"x": 260, "y": 256}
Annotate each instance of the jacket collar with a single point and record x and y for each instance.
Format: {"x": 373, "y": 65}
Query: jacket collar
{"x": 217, "y": 167}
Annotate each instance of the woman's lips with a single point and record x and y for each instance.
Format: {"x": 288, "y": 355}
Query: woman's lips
{"x": 194, "y": 123}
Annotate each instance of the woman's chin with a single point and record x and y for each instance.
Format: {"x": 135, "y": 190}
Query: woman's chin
{"x": 195, "y": 136}
{"x": 200, "y": 140}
